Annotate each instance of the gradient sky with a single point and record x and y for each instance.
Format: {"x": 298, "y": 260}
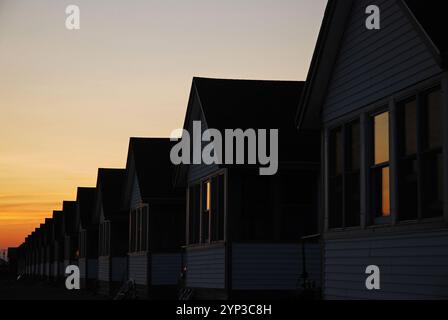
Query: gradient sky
{"x": 70, "y": 100}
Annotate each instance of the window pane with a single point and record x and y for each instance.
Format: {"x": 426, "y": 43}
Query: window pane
{"x": 381, "y": 138}
{"x": 434, "y": 119}
{"x": 385, "y": 197}
{"x": 194, "y": 214}
{"x": 353, "y": 146}
{"x": 335, "y": 210}
{"x": 352, "y": 200}
{"x": 381, "y": 192}
{"x": 409, "y": 128}
{"x": 408, "y": 189}
{"x": 336, "y": 152}
{"x": 433, "y": 185}
{"x": 208, "y": 195}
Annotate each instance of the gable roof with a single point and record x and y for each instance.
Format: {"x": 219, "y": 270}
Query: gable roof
{"x": 432, "y": 17}
{"x": 337, "y": 13}
{"x": 69, "y": 217}
{"x": 109, "y": 187}
{"x": 85, "y": 199}
{"x": 149, "y": 160}
{"x": 231, "y": 104}
{"x": 57, "y": 224}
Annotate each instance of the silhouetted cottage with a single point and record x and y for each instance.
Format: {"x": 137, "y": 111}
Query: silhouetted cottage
{"x": 157, "y": 218}
{"x": 70, "y": 233}
{"x": 380, "y": 99}
{"x": 243, "y": 229}
{"x": 88, "y": 236}
{"x": 113, "y": 230}
{"x": 58, "y": 241}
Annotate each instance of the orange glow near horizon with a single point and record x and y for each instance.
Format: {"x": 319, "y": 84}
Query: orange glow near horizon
{"x": 70, "y": 100}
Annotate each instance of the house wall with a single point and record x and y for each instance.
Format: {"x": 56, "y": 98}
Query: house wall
{"x": 138, "y": 268}
{"x": 92, "y": 268}
{"x": 82, "y": 264}
{"x": 273, "y": 266}
{"x": 119, "y": 269}
{"x": 412, "y": 266}
{"x": 206, "y": 267}
{"x": 374, "y": 64}
{"x": 104, "y": 268}
{"x": 198, "y": 171}
{"x": 165, "y": 268}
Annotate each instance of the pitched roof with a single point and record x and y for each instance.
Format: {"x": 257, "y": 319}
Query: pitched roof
{"x": 255, "y": 104}
{"x": 432, "y": 17}
{"x": 153, "y": 167}
{"x": 229, "y": 104}
{"x": 85, "y": 199}
{"x": 69, "y": 217}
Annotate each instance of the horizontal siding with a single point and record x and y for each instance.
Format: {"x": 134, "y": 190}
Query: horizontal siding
{"x": 413, "y": 266}
{"x": 372, "y": 65}
{"x": 92, "y": 269}
{"x": 119, "y": 269}
{"x": 165, "y": 268}
{"x": 273, "y": 266}
{"x": 138, "y": 268}
{"x": 198, "y": 171}
{"x": 104, "y": 269}
{"x": 206, "y": 267}
{"x": 136, "y": 198}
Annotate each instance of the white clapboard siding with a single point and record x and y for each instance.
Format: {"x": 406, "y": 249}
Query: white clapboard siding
{"x": 206, "y": 267}
{"x": 273, "y": 266}
{"x": 412, "y": 266}
{"x": 138, "y": 268}
{"x": 372, "y": 65}
{"x": 165, "y": 268}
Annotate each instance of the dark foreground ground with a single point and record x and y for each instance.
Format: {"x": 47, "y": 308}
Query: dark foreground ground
{"x": 26, "y": 289}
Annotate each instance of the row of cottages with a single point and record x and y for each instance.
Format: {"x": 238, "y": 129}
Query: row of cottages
{"x": 242, "y": 229}
{"x": 379, "y": 99}
{"x": 199, "y": 231}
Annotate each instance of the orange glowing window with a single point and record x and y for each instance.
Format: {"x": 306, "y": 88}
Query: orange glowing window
{"x": 380, "y": 166}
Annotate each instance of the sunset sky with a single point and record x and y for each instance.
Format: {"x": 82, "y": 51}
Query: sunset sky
{"x": 70, "y": 100}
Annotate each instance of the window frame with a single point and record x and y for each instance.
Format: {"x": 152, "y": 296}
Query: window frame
{"x": 345, "y": 171}
{"x": 422, "y": 152}
{"x": 210, "y": 213}
{"x": 373, "y": 167}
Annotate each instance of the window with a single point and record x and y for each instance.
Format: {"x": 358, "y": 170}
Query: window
{"x": 206, "y": 211}
{"x": 193, "y": 216}
{"x": 380, "y": 171}
{"x": 420, "y": 128}
{"x": 345, "y": 207}
{"x": 138, "y": 229}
